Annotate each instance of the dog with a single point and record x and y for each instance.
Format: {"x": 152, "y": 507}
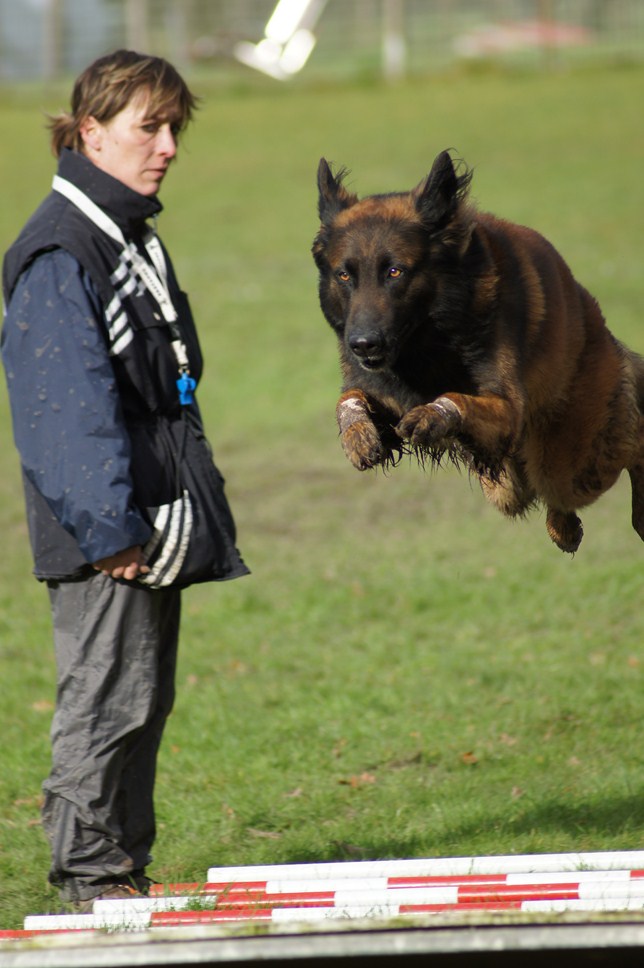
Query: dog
{"x": 465, "y": 335}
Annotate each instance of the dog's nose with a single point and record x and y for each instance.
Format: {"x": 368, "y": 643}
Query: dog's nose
{"x": 365, "y": 345}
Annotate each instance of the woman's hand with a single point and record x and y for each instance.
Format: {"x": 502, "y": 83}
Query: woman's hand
{"x": 128, "y": 564}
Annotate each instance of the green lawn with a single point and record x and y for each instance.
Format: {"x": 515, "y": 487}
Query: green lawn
{"x": 406, "y": 673}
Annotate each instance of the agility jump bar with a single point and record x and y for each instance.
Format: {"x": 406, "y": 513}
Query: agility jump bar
{"x": 290, "y": 901}
{"x": 141, "y": 914}
{"x": 441, "y": 866}
{"x": 477, "y": 883}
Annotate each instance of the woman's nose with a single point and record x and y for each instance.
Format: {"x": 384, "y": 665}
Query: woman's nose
{"x": 167, "y": 142}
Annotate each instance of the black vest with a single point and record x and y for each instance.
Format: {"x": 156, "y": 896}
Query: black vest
{"x": 146, "y": 381}
{"x": 172, "y": 469}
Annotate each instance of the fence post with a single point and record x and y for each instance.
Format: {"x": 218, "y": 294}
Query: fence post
{"x": 394, "y": 47}
{"x": 52, "y": 39}
{"x": 546, "y": 16}
{"x": 136, "y": 24}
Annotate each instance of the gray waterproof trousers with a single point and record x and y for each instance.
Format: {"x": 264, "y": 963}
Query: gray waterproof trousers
{"x": 116, "y": 647}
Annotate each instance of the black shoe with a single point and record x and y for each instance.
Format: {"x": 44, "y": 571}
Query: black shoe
{"x": 140, "y": 880}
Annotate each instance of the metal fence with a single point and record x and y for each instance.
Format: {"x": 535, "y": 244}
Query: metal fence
{"x": 49, "y": 38}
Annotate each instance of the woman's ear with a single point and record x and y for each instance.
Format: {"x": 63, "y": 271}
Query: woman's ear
{"x": 91, "y": 132}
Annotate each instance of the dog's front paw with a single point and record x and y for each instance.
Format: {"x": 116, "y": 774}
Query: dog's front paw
{"x": 564, "y": 528}
{"x": 360, "y": 436}
{"x": 430, "y": 424}
{"x": 363, "y": 446}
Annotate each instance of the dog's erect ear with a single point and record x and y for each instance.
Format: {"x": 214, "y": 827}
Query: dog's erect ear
{"x": 333, "y": 196}
{"x": 437, "y": 196}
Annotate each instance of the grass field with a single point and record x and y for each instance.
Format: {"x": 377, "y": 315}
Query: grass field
{"x": 405, "y": 673}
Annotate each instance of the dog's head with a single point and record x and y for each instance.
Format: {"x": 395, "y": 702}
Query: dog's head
{"x": 380, "y": 258}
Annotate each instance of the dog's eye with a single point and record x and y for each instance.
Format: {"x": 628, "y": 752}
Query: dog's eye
{"x": 343, "y": 275}
{"x": 394, "y": 272}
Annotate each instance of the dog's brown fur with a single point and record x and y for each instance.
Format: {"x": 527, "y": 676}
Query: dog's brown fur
{"x": 466, "y": 334}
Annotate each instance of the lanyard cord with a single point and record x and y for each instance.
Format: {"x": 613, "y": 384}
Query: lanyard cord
{"x": 153, "y": 277}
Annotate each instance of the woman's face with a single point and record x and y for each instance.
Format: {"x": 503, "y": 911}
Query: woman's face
{"x": 132, "y": 146}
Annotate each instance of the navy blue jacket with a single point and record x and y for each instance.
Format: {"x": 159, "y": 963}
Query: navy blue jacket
{"x": 110, "y": 456}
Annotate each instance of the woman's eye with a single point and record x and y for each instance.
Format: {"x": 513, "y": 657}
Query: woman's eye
{"x": 394, "y": 272}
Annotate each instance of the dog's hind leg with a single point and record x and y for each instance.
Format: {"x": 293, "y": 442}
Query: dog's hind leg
{"x": 564, "y": 528}
{"x": 636, "y": 468}
{"x": 509, "y": 490}
{"x": 637, "y": 487}
{"x": 636, "y": 473}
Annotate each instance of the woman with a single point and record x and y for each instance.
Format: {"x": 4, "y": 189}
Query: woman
{"x": 124, "y": 504}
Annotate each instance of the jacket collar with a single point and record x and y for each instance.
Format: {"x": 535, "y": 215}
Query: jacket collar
{"x": 128, "y": 208}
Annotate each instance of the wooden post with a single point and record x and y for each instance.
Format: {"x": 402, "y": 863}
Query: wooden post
{"x": 546, "y": 16}
{"x": 394, "y": 48}
{"x": 136, "y": 25}
{"x": 52, "y": 39}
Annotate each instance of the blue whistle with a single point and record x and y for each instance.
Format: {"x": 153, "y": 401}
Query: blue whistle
{"x": 186, "y": 386}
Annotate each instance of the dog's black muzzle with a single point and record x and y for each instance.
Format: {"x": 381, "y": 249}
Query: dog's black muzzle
{"x": 369, "y": 349}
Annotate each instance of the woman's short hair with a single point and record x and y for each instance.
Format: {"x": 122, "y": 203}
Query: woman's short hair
{"x": 108, "y": 85}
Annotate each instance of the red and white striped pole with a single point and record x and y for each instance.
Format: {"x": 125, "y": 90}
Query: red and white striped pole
{"x": 378, "y": 890}
{"x": 443, "y": 866}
